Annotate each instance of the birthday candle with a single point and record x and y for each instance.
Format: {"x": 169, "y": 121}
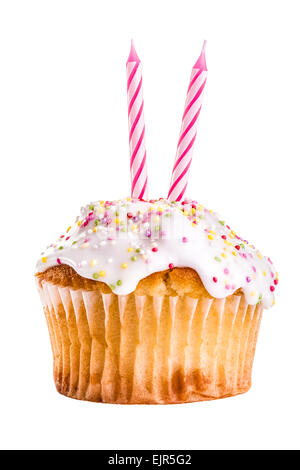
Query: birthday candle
{"x": 188, "y": 132}
{"x": 137, "y": 147}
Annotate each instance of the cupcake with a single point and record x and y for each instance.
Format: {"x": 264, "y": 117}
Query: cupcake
{"x": 153, "y": 302}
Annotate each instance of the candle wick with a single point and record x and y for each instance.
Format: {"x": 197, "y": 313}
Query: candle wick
{"x": 201, "y": 62}
{"x": 133, "y": 57}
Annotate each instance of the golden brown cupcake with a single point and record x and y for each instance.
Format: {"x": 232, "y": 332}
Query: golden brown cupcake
{"x": 153, "y": 302}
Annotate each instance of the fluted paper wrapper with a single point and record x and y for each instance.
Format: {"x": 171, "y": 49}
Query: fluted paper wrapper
{"x": 145, "y": 349}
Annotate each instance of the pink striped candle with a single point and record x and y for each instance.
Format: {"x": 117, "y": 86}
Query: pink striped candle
{"x": 188, "y": 130}
{"x": 138, "y": 167}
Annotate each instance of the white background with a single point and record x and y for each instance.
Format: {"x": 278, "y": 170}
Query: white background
{"x": 64, "y": 142}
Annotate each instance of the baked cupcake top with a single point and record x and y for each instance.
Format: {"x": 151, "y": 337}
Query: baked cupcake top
{"x": 121, "y": 242}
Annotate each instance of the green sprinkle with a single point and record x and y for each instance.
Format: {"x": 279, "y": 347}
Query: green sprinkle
{"x": 119, "y": 282}
{"x": 117, "y": 213}
{"x": 221, "y": 222}
{"x": 242, "y": 245}
{"x": 95, "y": 275}
{"x": 157, "y": 228}
{"x": 218, "y": 259}
{"x": 73, "y": 243}
{"x": 91, "y": 208}
{"x": 61, "y": 248}
{"x": 112, "y": 286}
{"x": 133, "y": 258}
{"x": 138, "y": 250}
{"x": 96, "y": 222}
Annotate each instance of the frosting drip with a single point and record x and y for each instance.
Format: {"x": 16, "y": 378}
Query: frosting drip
{"x": 121, "y": 242}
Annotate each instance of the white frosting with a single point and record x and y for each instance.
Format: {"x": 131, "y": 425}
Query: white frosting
{"x": 121, "y": 242}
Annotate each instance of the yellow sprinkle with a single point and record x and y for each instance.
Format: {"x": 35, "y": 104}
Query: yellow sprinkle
{"x": 185, "y": 213}
{"x": 95, "y": 229}
{"x": 44, "y": 259}
{"x": 128, "y": 199}
{"x": 117, "y": 220}
{"x": 252, "y": 293}
{"x": 124, "y": 265}
{"x": 200, "y": 207}
{"x": 224, "y": 255}
{"x": 211, "y": 231}
{"x": 264, "y": 273}
{"x": 234, "y": 253}
{"x": 69, "y": 228}
{"x": 102, "y": 202}
{"x": 231, "y": 236}
{"x": 134, "y": 227}
{"x": 102, "y": 273}
{"x": 160, "y": 209}
{"x": 93, "y": 262}
{"x": 210, "y": 237}
{"x": 100, "y": 210}
{"x": 129, "y": 249}
{"x": 79, "y": 223}
{"x": 193, "y": 211}
{"x": 156, "y": 219}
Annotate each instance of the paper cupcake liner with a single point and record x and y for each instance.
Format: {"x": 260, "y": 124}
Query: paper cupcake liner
{"x": 144, "y": 349}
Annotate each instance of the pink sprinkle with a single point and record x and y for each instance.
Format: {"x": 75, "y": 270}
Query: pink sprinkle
{"x": 86, "y": 240}
{"x": 233, "y": 287}
{"x": 171, "y": 266}
{"x": 272, "y": 288}
{"x": 224, "y": 237}
{"x": 185, "y": 239}
{"x": 227, "y": 286}
{"x": 254, "y": 269}
{"x": 154, "y": 249}
{"x": 226, "y": 271}
{"x": 58, "y": 261}
{"x": 215, "y": 279}
{"x": 272, "y": 274}
{"x": 67, "y": 238}
{"x": 62, "y": 236}
{"x": 163, "y": 233}
{"x": 275, "y": 282}
{"x": 248, "y": 279}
